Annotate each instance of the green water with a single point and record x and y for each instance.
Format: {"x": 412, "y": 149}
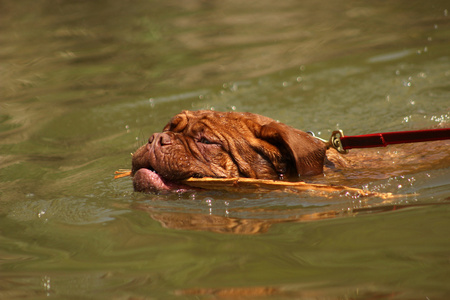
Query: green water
{"x": 84, "y": 83}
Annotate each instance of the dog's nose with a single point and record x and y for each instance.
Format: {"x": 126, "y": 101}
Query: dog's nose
{"x": 162, "y": 139}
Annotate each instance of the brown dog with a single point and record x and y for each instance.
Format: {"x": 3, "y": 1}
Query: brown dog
{"x": 224, "y": 144}
{"x": 230, "y": 144}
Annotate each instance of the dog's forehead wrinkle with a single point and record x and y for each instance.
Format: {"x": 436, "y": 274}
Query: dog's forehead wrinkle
{"x": 208, "y": 126}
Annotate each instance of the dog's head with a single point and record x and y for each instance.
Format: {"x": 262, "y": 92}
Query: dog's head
{"x": 224, "y": 144}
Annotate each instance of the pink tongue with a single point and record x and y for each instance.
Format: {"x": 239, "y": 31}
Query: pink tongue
{"x": 145, "y": 180}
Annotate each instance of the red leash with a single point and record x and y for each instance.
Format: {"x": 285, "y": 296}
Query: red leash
{"x": 342, "y": 143}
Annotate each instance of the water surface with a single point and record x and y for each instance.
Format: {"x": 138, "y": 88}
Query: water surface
{"x": 84, "y": 83}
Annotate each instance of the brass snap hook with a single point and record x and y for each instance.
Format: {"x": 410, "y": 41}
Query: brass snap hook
{"x": 336, "y": 143}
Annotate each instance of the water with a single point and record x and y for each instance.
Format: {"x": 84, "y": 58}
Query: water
{"x": 84, "y": 83}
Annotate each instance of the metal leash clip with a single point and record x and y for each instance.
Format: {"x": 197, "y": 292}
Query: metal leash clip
{"x": 336, "y": 143}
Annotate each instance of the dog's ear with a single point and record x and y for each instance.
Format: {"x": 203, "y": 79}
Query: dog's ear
{"x": 307, "y": 152}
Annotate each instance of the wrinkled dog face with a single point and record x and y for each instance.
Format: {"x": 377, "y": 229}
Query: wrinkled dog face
{"x": 224, "y": 144}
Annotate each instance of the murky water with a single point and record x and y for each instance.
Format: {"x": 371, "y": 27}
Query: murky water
{"x": 84, "y": 83}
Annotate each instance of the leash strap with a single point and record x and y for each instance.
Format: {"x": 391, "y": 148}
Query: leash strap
{"x": 342, "y": 143}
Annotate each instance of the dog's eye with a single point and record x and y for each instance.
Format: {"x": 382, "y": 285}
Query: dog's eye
{"x": 205, "y": 141}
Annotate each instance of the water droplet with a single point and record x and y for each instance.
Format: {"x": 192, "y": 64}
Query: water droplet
{"x": 46, "y": 283}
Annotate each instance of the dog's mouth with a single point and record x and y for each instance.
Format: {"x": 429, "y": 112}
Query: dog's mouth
{"x": 148, "y": 180}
